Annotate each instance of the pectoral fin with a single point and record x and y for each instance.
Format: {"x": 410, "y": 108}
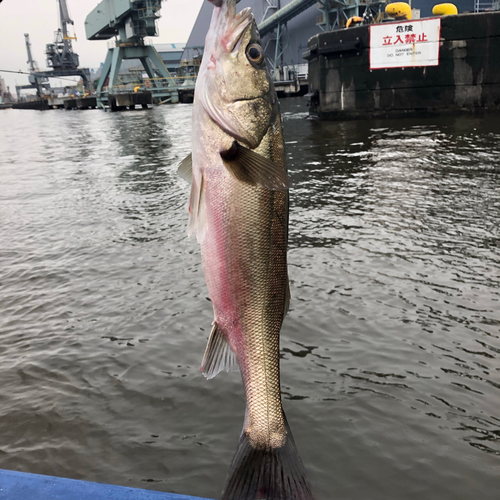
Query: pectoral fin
{"x": 252, "y": 168}
{"x": 197, "y": 209}
{"x": 218, "y": 355}
{"x": 185, "y": 168}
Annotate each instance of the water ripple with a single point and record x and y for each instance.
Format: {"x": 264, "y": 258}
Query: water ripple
{"x": 390, "y": 352}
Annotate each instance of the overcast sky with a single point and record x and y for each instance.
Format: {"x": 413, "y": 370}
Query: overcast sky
{"x": 40, "y": 19}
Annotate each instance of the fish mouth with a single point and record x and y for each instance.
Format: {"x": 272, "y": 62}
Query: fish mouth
{"x": 240, "y": 23}
{"x": 247, "y": 99}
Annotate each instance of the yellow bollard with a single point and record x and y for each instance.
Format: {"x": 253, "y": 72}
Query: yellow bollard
{"x": 445, "y": 9}
{"x": 400, "y": 11}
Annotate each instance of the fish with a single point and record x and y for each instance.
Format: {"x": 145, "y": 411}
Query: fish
{"x": 238, "y": 210}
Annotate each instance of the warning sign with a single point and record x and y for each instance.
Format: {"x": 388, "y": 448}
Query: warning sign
{"x": 404, "y": 44}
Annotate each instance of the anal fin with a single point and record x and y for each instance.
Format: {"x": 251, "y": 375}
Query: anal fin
{"x": 218, "y": 355}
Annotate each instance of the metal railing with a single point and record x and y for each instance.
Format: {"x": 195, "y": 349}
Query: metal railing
{"x": 115, "y": 42}
{"x": 154, "y": 85}
{"x": 483, "y": 6}
{"x": 149, "y": 9}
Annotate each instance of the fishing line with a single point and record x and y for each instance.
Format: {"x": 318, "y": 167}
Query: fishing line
{"x": 25, "y": 73}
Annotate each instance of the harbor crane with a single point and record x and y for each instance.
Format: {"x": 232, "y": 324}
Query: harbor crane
{"x": 60, "y": 54}
{"x": 36, "y": 82}
{"x": 60, "y": 57}
{"x": 129, "y": 21}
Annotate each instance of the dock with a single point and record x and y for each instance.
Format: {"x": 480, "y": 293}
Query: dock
{"x": 428, "y": 66}
{"x": 25, "y": 486}
{"x": 85, "y": 102}
{"x": 89, "y": 102}
{"x": 38, "y": 104}
{"x": 290, "y": 88}
{"x": 150, "y": 91}
{"x": 128, "y": 100}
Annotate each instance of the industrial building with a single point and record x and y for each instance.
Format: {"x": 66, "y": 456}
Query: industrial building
{"x": 5, "y": 95}
{"x": 170, "y": 54}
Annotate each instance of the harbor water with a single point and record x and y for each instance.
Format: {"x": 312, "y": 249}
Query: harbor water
{"x": 390, "y": 355}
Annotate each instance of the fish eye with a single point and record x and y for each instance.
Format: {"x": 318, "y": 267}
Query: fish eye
{"x": 255, "y": 54}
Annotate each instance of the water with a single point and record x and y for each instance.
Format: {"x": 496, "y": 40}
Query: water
{"x": 390, "y": 353}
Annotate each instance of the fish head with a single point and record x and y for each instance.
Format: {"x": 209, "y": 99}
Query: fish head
{"x": 234, "y": 85}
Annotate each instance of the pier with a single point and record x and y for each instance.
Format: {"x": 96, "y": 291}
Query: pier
{"x": 69, "y": 103}
{"x": 88, "y": 102}
{"x": 38, "y": 104}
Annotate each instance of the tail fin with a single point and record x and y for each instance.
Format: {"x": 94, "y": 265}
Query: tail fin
{"x": 270, "y": 474}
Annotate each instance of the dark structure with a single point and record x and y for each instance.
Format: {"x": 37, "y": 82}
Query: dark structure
{"x": 80, "y": 103}
{"x": 38, "y": 104}
{"x": 342, "y": 86}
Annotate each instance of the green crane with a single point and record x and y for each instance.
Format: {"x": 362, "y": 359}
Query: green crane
{"x": 129, "y": 21}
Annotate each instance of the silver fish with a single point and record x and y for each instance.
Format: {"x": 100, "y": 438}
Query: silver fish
{"x": 239, "y": 212}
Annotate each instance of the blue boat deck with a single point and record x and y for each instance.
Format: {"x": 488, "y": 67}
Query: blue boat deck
{"x": 24, "y": 486}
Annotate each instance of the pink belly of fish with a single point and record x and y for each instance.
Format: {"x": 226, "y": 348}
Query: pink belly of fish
{"x": 246, "y": 278}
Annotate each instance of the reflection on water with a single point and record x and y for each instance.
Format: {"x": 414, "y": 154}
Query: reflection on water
{"x": 390, "y": 352}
